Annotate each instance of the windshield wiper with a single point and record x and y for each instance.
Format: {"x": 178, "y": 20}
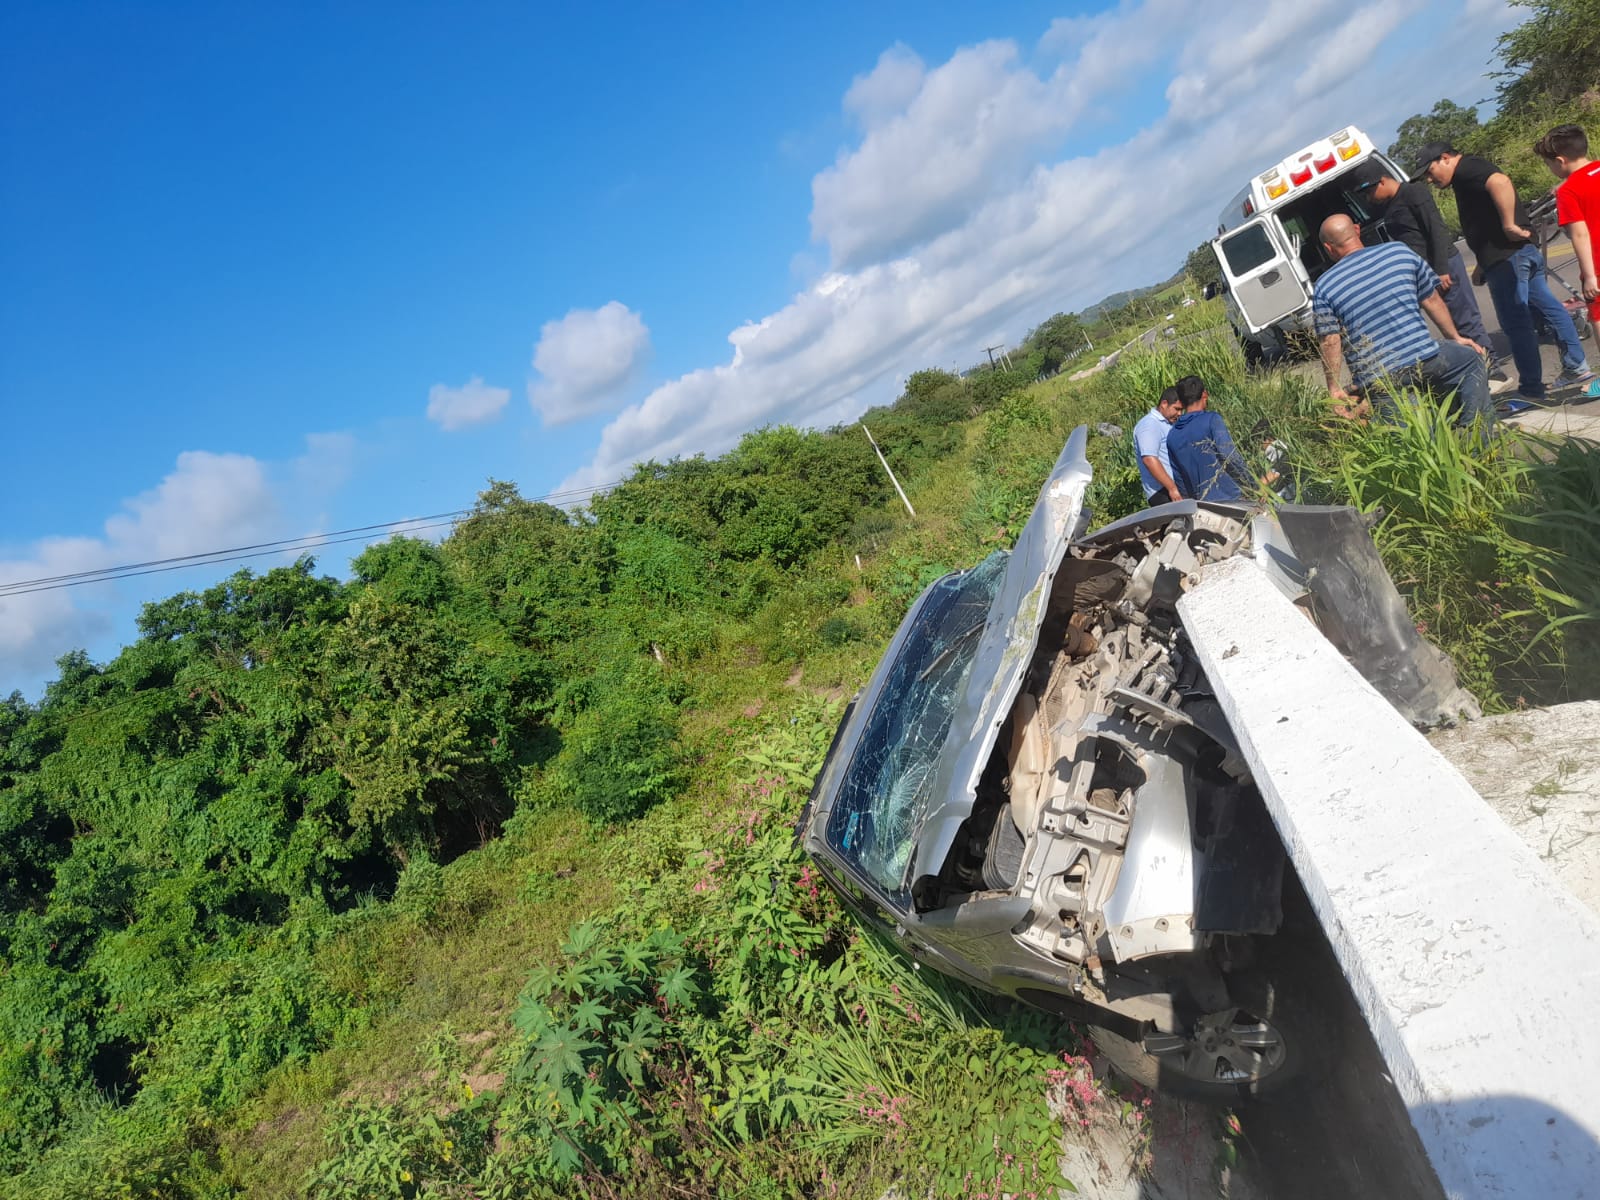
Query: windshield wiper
{"x": 944, "y": 655}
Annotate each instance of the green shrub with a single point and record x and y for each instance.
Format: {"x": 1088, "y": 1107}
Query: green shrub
{"x": 837, "y": 631}
{"x": 419, "y": 892}
{"x": 783, "y": 630}
{"x": 620, "y": 757}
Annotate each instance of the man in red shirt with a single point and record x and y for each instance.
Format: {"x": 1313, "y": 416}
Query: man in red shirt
{"x": 1565, "y": 150}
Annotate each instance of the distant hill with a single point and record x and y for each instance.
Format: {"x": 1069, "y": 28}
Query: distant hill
{"x": 1118, "y": 300}
{"x": 1121, "y": 299}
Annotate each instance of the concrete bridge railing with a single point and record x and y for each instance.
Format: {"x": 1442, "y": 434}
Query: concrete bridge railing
{"x": 1477, "y": 971}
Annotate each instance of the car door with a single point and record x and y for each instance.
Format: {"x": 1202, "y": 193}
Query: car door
{"x": 1263, "y": 271}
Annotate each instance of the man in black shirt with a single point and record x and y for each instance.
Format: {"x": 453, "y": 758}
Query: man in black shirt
{"x": 1411, "y": 217}
{"x": 1495, "y": 224}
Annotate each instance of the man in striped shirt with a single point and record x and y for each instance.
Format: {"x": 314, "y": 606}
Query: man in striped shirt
{"x": 1375, "y": 297}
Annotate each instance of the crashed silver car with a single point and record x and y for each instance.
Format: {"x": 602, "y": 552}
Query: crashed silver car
{"x": 1037, "y": 793}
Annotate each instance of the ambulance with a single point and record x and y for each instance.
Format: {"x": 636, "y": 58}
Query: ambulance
{"x": 1267, "y": 244}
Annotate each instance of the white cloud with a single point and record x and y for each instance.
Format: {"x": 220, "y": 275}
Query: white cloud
{"x": 586, "y": 360}
{"x": 933, "y": 256}
{"x": 935, "y": 144}
{"x": 207, "y": 502}
{"x": 887, "y": 89}
{"x": 39, "y": 627}
{"x": 474, "y": 403}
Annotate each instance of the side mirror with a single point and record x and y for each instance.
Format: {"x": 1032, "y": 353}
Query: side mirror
{"x": 1211, "y": 291}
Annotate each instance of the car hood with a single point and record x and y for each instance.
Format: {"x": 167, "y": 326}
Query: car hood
{"x": 1004, "y": 652}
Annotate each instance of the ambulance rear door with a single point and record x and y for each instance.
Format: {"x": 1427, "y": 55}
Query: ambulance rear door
{"x": 1263, "y": 271}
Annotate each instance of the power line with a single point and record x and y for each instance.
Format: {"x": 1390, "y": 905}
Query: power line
{"x": 134, "y": 570}
{"x": 287, "y": 543}
{"x": 46, "y": 583}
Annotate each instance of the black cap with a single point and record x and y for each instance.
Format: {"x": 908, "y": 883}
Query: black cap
{"x": 1367, "y": 175}
{"x": 1430, "y": 154}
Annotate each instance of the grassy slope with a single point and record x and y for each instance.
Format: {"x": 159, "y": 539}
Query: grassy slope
{"x": 508, "y": 907}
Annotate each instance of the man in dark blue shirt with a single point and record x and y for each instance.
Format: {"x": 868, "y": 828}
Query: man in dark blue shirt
{"x": 1205, "y": 463}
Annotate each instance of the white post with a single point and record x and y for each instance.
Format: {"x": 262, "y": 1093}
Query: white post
{"x": 885, "y": 463}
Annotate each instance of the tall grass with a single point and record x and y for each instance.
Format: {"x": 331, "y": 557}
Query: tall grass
{"x": 1455, "y": 511}
{"x": 1494, "y": 544}
{"x": 1565, "y": 521}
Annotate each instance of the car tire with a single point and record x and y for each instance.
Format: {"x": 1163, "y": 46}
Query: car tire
{"x": 1268, "y": 1040}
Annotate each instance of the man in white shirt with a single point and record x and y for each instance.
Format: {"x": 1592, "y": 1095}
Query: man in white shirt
{"x": 1150, "y": 448}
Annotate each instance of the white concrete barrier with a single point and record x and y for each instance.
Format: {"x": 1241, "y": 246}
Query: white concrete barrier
{"x": 1478, "y": 973}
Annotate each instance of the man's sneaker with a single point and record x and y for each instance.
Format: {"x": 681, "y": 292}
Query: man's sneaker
{"x": 1569, "y": 379}
{"x": 1497, "y": 373}
{"x": 1502, "y": 384}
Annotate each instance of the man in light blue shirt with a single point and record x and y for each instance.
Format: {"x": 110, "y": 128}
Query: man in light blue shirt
{"x": 1150, "y": 448}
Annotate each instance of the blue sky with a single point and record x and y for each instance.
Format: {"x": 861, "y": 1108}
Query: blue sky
{"x": 247, "y": 250}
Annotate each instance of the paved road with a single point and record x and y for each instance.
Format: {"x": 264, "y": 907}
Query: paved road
{"x": 1574, "y": 420}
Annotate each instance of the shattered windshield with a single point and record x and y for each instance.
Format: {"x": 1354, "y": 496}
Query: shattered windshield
{"x": 883, "y": 793}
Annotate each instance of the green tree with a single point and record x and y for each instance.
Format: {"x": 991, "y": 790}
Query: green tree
{"x": 397, "y": 722}
{"x": 1056, "y": 339}
{"x": 934, "y": 396}
{"x": 1201, "y": 265}
{"x": 406, "y": 569}
{"x": 539, "y": 571}
{"x": 1551, "y": 58}
{"x": 1447, "y": 122}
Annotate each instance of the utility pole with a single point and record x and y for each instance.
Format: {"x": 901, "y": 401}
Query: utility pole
{"x": 886, "y": 469}
{"x": 1005, "y": 356}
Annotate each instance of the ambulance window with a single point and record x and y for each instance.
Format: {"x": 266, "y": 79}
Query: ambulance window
{"x": 1247, "y": 250}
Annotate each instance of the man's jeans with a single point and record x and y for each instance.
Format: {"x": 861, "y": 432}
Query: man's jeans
{"x": 1463, "y": 303}
{"x": 1454, "y": 369}
{"x": 1517, "y": 287}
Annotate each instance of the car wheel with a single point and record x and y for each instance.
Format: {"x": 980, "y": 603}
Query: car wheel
{"x": 1259, "y": 1044}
